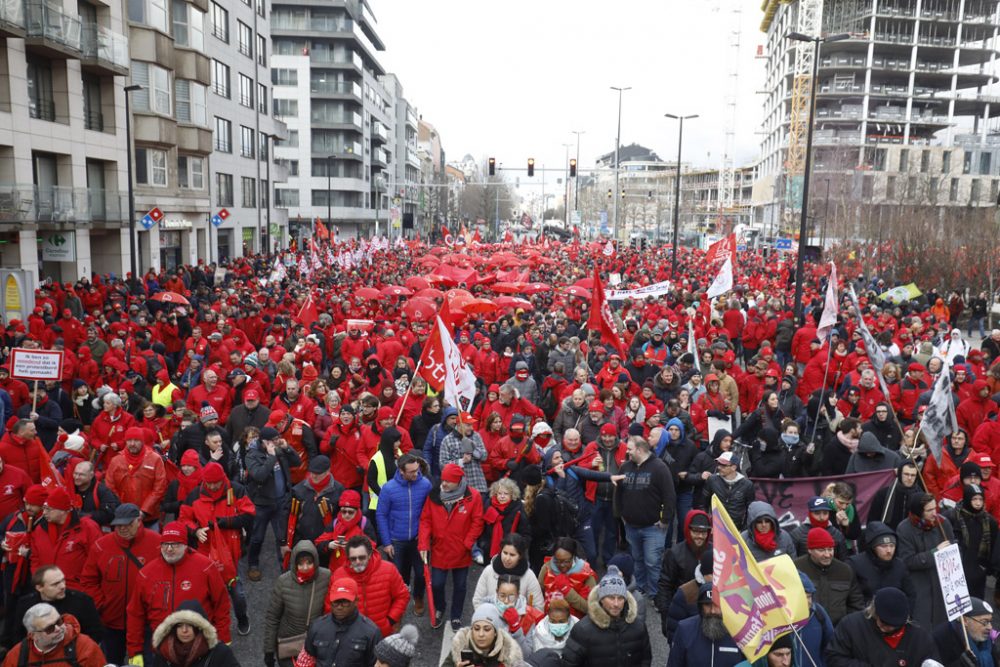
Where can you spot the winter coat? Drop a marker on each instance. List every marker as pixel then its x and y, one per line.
pixel 449 534
pixel 871 456
pixel 569 416
pixel 288 612
pixel 679 563
pixel 575 585
pixel 800 535
pixel 601 641
pixel 691 648
pixel 505 652
pixel 873 573
pixel 836 585
pixel 112 569
pixel 242 418
pixel 88 653
pixel 347 643
pixel 382 594
pixel 98 502
pixel 735 496
pixel 219 654
pixel 530 589
pixel 896 497
pixel 683 604
pixel 400 503
pixel 144 485
pixel 784 543
pixel 885 430
pixel 857 641
pixel 47 424
pixel 69 549
pixel 23 454
pixel 80 605
pixel 316 510
pixel 162 587
pixel 261 471
pixel 915 547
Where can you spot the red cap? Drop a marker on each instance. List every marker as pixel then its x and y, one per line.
pixel 344 588
pixel 276 417
pixel 596 406
pixel 609 429
pixel 59 499
pixel 175 531
pixel 251 395
pixel 772 373
pixel 452 473
pixel 385 412
pixel 135 433
pixel 350 498
pixel 213 473
pixel 915 368
pixel 819 538
pixel 36 495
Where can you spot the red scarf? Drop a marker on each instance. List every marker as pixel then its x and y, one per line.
pixel 494 515
pixel 768 541
pixel 894 639
pixel 134 460
pixel 318 487
pixel 304 577
pixel 187 483
pixel 816 523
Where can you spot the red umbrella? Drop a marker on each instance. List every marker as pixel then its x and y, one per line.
pixel 396 290
pixel 368 293
pixel 509 288
pixel 574 290
pixel 430 293
pixel 429 591
pixel 587 283
pixel 535 288
pixel 419 309
pixel 478 307
pixel 513 302
pixel 417 283
pixel 170 297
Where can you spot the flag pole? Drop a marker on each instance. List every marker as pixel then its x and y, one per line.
pixel 402 403
pixel 822 389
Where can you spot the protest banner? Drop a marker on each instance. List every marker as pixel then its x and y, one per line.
pixel 639 293
pixel 28 364
pixel 952 579
pixel 788 497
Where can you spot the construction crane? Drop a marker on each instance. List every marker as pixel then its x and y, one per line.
pixel 727 174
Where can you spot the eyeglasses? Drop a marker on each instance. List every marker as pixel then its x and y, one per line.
pixel 358 559
pixel 50 629
pixel 986 623
pixel 342 603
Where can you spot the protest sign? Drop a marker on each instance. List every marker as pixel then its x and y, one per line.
pixel 36 364
pixel 952 579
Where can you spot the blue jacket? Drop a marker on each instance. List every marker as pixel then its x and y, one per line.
pixel 432 446
pixel 691 648
pixel 399 505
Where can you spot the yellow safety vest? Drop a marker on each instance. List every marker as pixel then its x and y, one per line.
pixel 163 396
pixel 380 477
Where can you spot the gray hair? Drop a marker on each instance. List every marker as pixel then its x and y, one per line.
pixel 508 485
pixel 35 612
pixel 112 397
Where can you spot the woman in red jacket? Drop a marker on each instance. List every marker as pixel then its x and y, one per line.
pixel 450 523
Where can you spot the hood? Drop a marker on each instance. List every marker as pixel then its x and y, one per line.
pixel 717 441
pixel 448 412
pixel 192 613
pixel 600 617
pixel 307 547
pixel 687 528
pixel 505 649
pixel 869 444
pixel 874 530
pixel 760 510
pixel 674 421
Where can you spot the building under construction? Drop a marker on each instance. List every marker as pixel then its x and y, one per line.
pixel 905 110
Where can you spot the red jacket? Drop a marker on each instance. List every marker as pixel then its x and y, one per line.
pixel 973 411
pixel 23 454
pixel 144 485
pixel 87 651
pixel 382 593
pixel 937 477
pixel 507 450
pixel 110 431
pixel 13 483
pixel 449 536
pixel 161 587
pixel 344 449
pixel 231 512
pixel 68 550
pixel 109 575
pixel 218 398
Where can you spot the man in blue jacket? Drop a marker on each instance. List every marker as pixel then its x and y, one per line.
pixel 703 640
pixel 398 519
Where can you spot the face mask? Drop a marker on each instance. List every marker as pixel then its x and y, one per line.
pixel 522 375
pixel 559 629
pixel 503 606
pixel 790 438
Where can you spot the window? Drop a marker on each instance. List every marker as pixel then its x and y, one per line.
pixel 152 13
pixel 261 9
pixel 223 189
pixel 262 98
pixel 246 91
pixel 263 193
pixel 911 188
pixel 994 190
pixel 946 162
pixel 286 108
pixel 953 190
pixel 156 94
pixel 245 38
pixel 904 160
pixel 189 26
pixel 976 191
pixel 246 141
pixel 967 162
pixel 292 141
pixel 935 189
pixel 867 186
pixel 261 50
pixel 220 22
pixel 284 77
pixel 223 135
pixel 284 198
pixel 262 148
pixel 890 187
pixel 925 161
pixel 220 79
pixel 151 167
pixel 192 102
pixel 985 163
pixel 191 172
pixel 93 119
pixel 41 103
pixel 249 187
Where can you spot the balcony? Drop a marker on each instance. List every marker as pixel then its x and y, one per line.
pixel 52 32
pixel 336 121
pixel 335 89
pixel 93 120
pixel 42 108
pixel 103 51
pixel 12 18
pixel 379 132
pixel 341 149
pixel 60 204
pixel 412 158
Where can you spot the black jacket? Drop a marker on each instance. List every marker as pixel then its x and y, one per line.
pixel 241 418
pixel 600 641
pixel 915 547
pixel 77 603
pixel 99 504
pixel 347 644
pixel 735 497
pixel 646 495
pixel 857 641
pixel 261 471
pixel 873 573
pixel 313 508
pixel 890 502
pixel 837 588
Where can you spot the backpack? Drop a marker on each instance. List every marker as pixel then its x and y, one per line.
pixel 565 519
pixel 69 655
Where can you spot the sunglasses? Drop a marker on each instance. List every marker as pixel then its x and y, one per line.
pixel 50 629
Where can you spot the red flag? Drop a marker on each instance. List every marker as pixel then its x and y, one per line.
pixel 720 249
pixel 432 358
pixel 322 233
pixel 50 474
pixel 477 237
pixel 308 314
pixel 508 237
pixel 449 240
pixel 600 315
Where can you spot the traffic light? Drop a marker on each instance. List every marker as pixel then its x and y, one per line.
pixel 572 168
pixel 623 193
pixel 493 166
pixel 609 194
pixel 531 166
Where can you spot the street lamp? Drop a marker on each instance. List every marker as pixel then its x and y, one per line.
pixel 269 192
pixel 576 179
pixel 677 192
pixel 131 189
pixel 803 221
pixel 329 193
pixel 566 190
pixel 618 142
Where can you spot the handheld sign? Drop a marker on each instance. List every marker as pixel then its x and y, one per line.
pixel 36 364
pixel 952 578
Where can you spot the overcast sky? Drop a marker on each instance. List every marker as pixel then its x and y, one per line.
pixel 513 79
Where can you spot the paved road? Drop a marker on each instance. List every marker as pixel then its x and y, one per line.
pixel 432 642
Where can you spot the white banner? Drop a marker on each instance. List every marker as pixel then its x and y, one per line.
pixel 657 289
pixel 952 577
pixel 36 364
pixel 723 282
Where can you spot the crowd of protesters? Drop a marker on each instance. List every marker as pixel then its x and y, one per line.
pixel 200 409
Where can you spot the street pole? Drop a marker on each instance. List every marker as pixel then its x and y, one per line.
pixel 329 195
pixel 618 142
pixel 677 191
pixel 134 265
pixel 566 189
pixel 269 145
pixel 576 180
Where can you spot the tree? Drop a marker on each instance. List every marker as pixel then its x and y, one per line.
pixel 480 199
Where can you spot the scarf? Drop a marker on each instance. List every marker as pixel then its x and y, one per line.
pixel 973 529
pixel 134 460
pixel 183 655
pixel 188 483
pixel 894 638
pixel 305 577
pixel 495 515
pixel 924 525
pixel 518 570
pixel 449 498
pixel 816 523
pixel 850 444
pixel 767 541
pixel 320 486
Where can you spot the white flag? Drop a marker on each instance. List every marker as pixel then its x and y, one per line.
pixel 724 281
pixel 875 352
pixel 939 419
pixel 459 380
pixel 831 307
pixel 692 345
pixel 609 248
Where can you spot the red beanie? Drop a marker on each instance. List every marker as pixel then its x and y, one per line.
pixel 819 538
pixel 609 429
pixel 190 458
pixel 59 499
pixel 135 433
pixel 175 531
pixel 36 495
pixel 350 498
pixel 452 473
pixel 213 473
